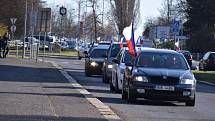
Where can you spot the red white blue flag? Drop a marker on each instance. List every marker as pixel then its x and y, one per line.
pixel 128 32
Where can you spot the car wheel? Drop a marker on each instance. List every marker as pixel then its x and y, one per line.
pixel 131 96
pixel 104 77
pixel 111 86
pixel 87 73
pixel 190 102
pixel 124 93
pixel 117 86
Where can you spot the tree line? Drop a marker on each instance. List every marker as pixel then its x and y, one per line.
pixel 198 17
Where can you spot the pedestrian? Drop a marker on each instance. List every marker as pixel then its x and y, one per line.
pixel 1 46
pixel 5 47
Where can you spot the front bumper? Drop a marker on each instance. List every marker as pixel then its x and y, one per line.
pixel 93 70
pixel 149 91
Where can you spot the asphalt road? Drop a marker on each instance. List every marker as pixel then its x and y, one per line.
pixel 39 92
pixel 144 110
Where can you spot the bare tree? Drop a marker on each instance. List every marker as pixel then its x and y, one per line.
pixel 124 12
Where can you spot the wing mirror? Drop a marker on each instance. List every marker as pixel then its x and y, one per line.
pixel 115 61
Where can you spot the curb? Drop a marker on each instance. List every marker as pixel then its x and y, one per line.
pixel 208 83
pixel 103 109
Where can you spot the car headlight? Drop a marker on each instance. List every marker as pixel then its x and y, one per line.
pixel 186 81
pixel 141 79
pixel 110 66
pixel 94 64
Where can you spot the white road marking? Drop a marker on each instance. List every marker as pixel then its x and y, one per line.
pixel 102 108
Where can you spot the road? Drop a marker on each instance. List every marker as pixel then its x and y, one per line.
pixel 143 110
pixel 39 92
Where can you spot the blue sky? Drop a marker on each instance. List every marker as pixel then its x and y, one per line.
pixel 148 8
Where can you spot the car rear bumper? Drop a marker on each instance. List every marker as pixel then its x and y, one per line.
pixel 149 91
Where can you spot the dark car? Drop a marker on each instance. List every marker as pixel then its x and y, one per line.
pixel 207 63
pixel 95 60
pixel 108 64
pixel 188 56
pixel 160 75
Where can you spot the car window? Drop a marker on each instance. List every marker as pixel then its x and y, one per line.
pixel 119 55
pixel 161 60
pixel 98 53
pixel 212 56
pixel 206 56
pixel 127 57
pixel 114 51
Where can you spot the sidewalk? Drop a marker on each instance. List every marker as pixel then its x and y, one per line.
pixel 37 91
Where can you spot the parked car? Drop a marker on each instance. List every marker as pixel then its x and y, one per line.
pixel 85 49
pixel 95 60
pixel 108 64
pixel 160 75
pixel 71 44
pixel 207 63
pixel 188 56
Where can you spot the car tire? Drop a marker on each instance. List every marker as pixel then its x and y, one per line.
pixel 190 102
pixel 104 78
pixel 111 86
pixel 87 73
pixel 124 93
pixel 117 85
pixel 131 97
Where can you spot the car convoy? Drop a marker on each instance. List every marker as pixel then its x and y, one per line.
pixel 154 74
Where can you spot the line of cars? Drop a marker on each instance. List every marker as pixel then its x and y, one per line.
pixel 155 74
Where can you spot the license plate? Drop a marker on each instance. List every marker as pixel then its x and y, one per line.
pixel 169 88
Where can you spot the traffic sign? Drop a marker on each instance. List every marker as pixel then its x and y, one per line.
pixel 13 28
pixel 13 20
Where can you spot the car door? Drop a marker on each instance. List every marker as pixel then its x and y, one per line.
pixel 121 70
pixel 115 69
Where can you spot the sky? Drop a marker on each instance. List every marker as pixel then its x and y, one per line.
pixel 148 9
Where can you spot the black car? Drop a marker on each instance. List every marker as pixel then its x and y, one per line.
pixel 160 75
pixel 108 64
pixel 95 60
pixel 207 63
pixel 188 56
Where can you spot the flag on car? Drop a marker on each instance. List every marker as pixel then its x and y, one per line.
pixel 177 45
pixel 112 40
pixel 128 32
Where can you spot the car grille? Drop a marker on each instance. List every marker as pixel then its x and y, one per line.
pixel 161 80
pixel 164 93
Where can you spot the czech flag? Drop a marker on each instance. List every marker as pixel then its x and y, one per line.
pixel 128 32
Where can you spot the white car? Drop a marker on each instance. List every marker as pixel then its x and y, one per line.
pixel 122 60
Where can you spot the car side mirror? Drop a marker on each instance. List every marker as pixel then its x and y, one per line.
pixel 85 52
pixel 115 61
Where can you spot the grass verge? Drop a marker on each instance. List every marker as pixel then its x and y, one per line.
pixel 205 76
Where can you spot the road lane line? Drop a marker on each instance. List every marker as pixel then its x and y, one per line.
pixel 102 108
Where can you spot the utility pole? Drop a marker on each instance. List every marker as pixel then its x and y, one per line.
pixel 23 45
pixel 95 21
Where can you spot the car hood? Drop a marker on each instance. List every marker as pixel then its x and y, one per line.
pixel 165 72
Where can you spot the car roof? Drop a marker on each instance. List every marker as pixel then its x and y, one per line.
pixel 146 49
pixel 102 47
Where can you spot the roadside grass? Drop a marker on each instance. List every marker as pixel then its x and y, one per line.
pixel 208 76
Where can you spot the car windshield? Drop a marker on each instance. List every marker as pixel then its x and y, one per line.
pixel 161 60
pixel 98 53
pixel 115 50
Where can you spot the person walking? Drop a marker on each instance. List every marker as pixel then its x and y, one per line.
pixel 5 47
pixel 1 44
